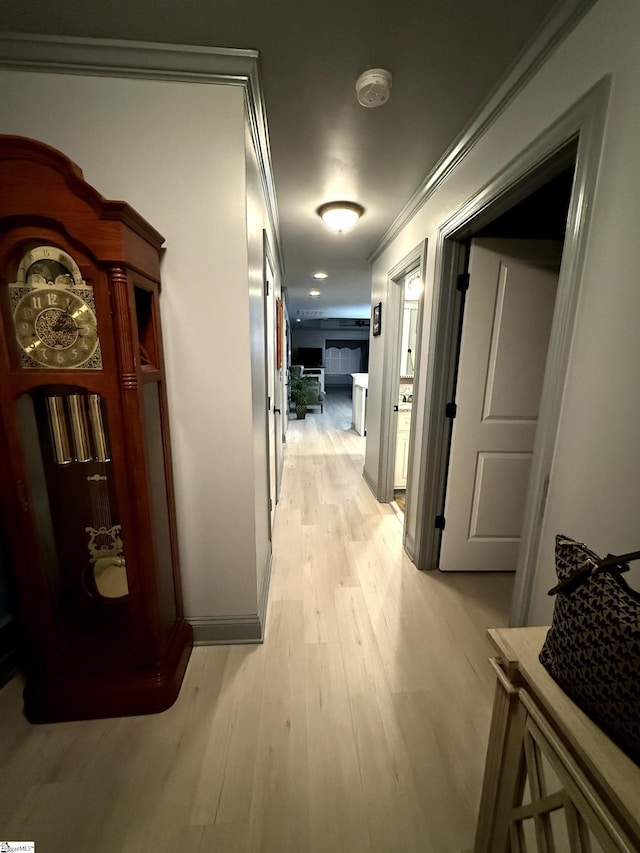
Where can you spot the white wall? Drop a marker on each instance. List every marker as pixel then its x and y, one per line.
pixel 594 494
pixel 175 152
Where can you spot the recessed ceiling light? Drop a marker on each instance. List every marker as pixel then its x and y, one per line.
pixel 313 292
pixel 298 320
pixel 320 275
pixel 340 215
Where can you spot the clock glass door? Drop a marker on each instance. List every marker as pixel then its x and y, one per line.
pixel 68 459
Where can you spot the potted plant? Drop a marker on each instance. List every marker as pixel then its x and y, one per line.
pixel 299 387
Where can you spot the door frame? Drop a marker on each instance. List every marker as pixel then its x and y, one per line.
pixel 576 137
pixel 391 370
pixel 269 274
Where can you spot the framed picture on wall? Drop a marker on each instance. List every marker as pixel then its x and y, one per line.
pixel 377 319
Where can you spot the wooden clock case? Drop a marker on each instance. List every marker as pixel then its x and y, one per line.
pixel 91 653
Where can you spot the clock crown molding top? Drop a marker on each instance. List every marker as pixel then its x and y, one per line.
pixel 155 61
pixel 89 204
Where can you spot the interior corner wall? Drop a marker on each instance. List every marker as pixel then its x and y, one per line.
pixel 594 492
pixel 175 152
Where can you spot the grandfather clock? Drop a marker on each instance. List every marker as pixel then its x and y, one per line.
pixel 87 490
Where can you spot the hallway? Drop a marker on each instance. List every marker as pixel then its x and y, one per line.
pixel 359 725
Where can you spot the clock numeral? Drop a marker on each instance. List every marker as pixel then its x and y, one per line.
pixel 44 354
pixel 74 354
pixel 23 328
pixel 28 313
pixel 60 358
pixel 36 301
pixel 52 298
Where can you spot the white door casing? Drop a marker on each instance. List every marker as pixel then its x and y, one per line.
pixel 505 336
pixel 279 405
pixel 270 311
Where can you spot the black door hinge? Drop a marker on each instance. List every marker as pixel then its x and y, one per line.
pixel 463 282
pixel 268 404
pixel 440 522
pixel 270 505
pixel 450 410
pixel 266 286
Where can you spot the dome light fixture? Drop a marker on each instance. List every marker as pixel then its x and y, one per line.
pixel 315 293
pixel 340 216
pixel 320 275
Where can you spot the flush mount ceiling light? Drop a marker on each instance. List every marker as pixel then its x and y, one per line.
pixel 315 293
pixel 340 215
pixel 320 275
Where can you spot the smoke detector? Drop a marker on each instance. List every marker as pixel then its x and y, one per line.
pixel 373 87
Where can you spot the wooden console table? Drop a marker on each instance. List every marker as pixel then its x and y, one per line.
pixel 554 782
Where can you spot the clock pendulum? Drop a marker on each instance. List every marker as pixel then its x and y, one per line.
pixel 78 437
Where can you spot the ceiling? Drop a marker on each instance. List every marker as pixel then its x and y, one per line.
pixel 446 57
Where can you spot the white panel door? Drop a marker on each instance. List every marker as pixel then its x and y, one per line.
pixel 505 337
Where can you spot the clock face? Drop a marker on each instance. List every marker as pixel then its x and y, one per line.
pixel 54 321
pixel 56 327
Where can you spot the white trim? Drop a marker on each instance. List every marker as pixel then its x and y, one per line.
pixel 370 482
pixel 584 122
pixel 409 545
pixel 225 630
pixel 123 58
pixel 263 599
pixel 155 61
pixel 391 369
pixel 554 30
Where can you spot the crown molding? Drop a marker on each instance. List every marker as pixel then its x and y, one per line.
pixel 556 27
pixel 155 61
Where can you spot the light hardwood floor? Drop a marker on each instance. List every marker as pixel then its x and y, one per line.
pixel 359 726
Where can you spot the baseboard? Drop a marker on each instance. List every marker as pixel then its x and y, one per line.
pixel 371 483
pixel 226 630
pixel 410 546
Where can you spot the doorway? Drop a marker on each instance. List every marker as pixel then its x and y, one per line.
pixel 574 141
pixel 273 410
pixel 507 295
pixel 404 310
pixel 410 289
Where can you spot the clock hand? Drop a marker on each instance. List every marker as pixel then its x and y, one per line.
pixel 59 324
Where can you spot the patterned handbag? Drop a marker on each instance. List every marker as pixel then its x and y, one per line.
pixel 593 646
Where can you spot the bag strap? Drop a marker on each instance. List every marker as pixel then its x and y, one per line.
pixel 615 564
pixel 612 560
